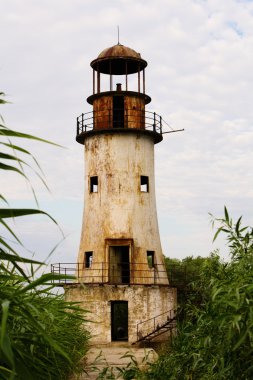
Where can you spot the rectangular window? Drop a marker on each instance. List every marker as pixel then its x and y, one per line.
pixel 151 259
pixel 88 259
pixel 94 184
pixel 118 112
pixel 144 184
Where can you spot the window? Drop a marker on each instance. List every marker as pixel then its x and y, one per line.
pixel 118 111
pixel 88 259
pixel 144 184
pixel 94 184
pixel 151 259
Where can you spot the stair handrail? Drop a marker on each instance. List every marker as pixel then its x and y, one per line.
pixel 171 315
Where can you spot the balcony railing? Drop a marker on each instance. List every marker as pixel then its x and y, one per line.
pixel 105 273
pixel 119 118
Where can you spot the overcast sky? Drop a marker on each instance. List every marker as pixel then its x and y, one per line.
pixel 199 76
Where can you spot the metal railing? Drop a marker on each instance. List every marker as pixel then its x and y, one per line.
pixel 150 326
pixel 119 118
pixel 114 273
pixel 180 276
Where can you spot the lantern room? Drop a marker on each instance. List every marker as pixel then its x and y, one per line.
pixel 119 97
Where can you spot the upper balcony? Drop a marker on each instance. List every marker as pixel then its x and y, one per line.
pixel 119 120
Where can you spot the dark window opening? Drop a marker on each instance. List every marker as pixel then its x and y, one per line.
pixel 119 320
pixel 151 259
pixel 118 112
pixel 88 259
pixel 144 184
pixel 94 184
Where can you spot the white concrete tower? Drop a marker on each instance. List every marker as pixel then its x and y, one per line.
pixel 121 275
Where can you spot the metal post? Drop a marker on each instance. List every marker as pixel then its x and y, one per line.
pixel 154 121
pixel 82 123
pixel 126 77
pixel 139 78
pixel 94 80
pixel 161 125
pixel 98 82
pixel 144 81
pixel 110 63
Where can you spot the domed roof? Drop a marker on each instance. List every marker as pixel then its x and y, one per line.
pixel 118 60
pixel 119 51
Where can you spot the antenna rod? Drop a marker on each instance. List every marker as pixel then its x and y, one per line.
pixel 118 34
pixel 174 130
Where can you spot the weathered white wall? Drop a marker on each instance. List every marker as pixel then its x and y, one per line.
pixel 119 210
pixel 144 302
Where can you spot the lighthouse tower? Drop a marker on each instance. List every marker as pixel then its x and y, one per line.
pixel 121 277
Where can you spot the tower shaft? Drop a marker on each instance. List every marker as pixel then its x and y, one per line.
pixel 120 211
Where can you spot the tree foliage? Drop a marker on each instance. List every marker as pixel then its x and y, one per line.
pixel 41 335
pixel 183 274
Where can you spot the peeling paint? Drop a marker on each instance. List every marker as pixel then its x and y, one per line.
pixel 119 209
pixel 143 303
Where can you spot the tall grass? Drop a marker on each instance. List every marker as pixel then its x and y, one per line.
pixel 215 339
pixel 41 335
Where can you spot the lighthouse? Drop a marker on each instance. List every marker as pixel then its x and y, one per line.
pixel 120 274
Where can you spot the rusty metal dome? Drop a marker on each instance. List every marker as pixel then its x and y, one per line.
pixel 118 60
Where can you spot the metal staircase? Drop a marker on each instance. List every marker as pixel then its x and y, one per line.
pixel 153 327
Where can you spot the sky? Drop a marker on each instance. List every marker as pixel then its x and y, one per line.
pixel 200 79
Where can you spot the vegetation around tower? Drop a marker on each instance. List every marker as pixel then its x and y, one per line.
pixel 41 335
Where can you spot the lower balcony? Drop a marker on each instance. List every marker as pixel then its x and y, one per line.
pixel 114 274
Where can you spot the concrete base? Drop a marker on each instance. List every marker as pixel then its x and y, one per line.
pixel 144 302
